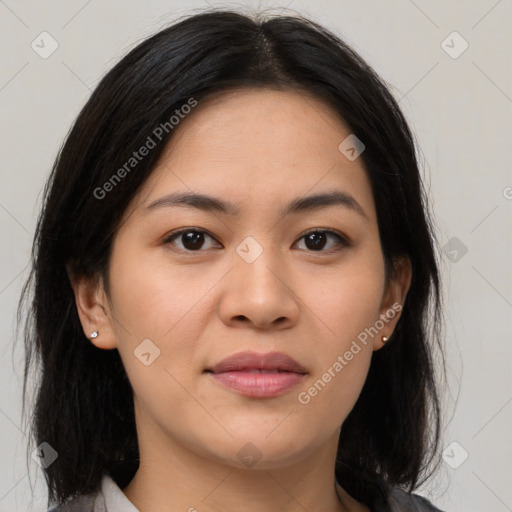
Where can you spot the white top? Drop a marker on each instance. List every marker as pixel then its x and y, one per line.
pixel 115 499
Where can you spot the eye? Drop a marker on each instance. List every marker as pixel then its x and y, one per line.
pixel 192 240
pixel 316 240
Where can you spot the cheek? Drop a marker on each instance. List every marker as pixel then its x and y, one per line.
pixel 345 307
pixel 342 361
pixel 157 301
pixel 347 301
pixel 153 296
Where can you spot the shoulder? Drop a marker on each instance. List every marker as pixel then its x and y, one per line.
pixel 402 501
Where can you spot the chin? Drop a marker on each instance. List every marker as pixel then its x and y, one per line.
pixel 259 451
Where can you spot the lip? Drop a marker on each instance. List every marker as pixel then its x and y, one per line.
pixel 258 375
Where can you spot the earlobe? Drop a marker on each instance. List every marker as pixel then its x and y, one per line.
pixel 92 307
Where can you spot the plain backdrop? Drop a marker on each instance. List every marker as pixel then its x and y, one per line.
pixel 456 91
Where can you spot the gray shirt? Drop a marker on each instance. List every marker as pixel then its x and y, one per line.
pixel 110 498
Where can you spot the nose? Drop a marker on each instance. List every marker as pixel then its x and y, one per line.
pixel 259 294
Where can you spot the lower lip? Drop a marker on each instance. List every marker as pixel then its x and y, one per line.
pixel 261 385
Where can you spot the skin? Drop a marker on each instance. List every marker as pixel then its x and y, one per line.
pixel 260 149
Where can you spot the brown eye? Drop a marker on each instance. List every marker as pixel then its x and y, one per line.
pixel 317 240
pixel 191 239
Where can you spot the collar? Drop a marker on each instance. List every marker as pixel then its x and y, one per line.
pixel 115 499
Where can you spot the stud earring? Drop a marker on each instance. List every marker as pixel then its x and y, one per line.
pixel 384 339
pixel 94 334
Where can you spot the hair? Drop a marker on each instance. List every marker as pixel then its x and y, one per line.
pixel 83 398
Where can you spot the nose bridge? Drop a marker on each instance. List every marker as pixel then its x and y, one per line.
pixel 258 262
pixel 258 289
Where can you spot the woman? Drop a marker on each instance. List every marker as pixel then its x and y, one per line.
pixel 233 271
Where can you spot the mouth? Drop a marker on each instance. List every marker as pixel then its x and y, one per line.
pixel 252 370
pixel 258 375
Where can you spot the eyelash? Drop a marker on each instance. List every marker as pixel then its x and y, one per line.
pixel 342 241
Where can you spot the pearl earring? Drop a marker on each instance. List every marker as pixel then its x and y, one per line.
pixel 94 334
pixel 384 339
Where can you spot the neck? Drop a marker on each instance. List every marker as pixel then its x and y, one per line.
pixel 171 477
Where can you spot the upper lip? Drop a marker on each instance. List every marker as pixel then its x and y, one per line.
pixel 256 361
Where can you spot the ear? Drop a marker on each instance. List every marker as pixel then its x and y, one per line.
pixel 393 299
pixel 93 309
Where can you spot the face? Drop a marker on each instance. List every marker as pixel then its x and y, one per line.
pixel 306 282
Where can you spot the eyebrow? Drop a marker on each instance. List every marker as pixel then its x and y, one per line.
pixel 300 204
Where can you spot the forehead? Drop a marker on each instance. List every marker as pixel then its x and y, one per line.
pixel 259 146
pixel 241 119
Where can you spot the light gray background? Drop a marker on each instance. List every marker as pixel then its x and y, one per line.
pixel 460 110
